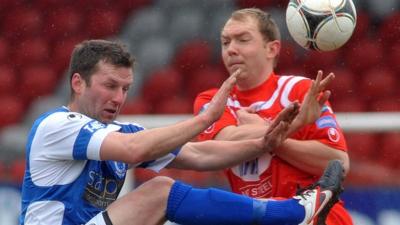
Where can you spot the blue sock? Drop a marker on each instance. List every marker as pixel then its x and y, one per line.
pixel 187 205
pixel 284 212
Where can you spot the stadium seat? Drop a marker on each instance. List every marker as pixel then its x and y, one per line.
pixel 64 22
pixel 17 171
pixel 363 146
pixel 154 53
pixel 393 57
pixel 12 109
pixel 8 80
pixel 62 53
pixel 3 172
pixel 287 55
pixel 389 30
pixel 349 104
pixel 315 61
pixel 146 23
pixel 378 83
pixel 388 152
pixel 163 84
pixel 22 22
pixel 4 50
pixel 363 55
pixel 255 3
pixel 192 56
pixel 109 24
pixel 362 28
pixel 344 84
pixel 31 51
pixel 388 104
pixel 192 19
pixel 40 106
pixel 203 80
pixel 174 105
pixel 10 138
pixel 38 80
pixel 136 106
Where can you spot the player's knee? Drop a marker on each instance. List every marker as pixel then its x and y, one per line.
pixel 160 183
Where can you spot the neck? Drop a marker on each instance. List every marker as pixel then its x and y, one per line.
pixel 253 81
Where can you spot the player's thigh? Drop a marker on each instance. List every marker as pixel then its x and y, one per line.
pixel 145 205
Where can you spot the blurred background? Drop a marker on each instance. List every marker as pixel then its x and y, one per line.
pixel 177 47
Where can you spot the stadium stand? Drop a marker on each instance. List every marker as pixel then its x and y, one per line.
pixel 176 43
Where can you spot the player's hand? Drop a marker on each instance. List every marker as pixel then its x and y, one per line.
pixel 278 131
pixel 314 100
pixel 218 102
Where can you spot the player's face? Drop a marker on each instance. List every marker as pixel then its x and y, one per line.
pixel 243 47
pixel 103 98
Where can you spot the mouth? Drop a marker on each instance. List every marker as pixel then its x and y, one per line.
pixel 111 112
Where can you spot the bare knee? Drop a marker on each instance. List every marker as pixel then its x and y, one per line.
pixel 145 205
pixel 159 184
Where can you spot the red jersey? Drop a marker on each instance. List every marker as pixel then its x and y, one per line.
pixel 268 175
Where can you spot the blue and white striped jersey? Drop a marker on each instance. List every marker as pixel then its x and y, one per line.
pixel 65 181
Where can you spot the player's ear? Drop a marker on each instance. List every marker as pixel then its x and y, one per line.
pixel 273 48
pixel 77 83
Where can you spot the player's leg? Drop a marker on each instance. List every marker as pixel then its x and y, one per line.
pixel 187 205
pixel 145 205
pixel 162 197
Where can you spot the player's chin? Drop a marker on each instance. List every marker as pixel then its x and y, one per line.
pixel 108 117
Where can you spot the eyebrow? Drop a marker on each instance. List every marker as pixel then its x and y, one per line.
pixel 243 33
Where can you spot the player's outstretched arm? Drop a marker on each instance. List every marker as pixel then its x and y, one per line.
pixel 154 143
pixel 216 155
pixel 317 95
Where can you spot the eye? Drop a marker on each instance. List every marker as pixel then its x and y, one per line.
pixel 125 89
pixel 110 86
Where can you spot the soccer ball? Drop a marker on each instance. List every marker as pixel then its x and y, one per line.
pixel 322 25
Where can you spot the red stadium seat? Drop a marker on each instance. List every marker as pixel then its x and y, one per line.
pixel 162 84
pixel 8 80
pixel 37 81
pixel 12 110
pixel 393 57
pixel 17 171
pixel 192 56
pixel 344 84
pixel 174 105
pixel 62 53
pixel 32 51
pixel 378 83
pixel 287 56
pixel 136 106
pixel 4 50
pixel 390 104
pixel 109 24
pixel 362 27
pixel 364 55
pixel 22 22
pixel 320 61
pixel 363 146
pixel 349 104
pixel 388 152
pixel 255 3
pixel 3 172
pixel 389 31
pixel 203 80
pixel 65 22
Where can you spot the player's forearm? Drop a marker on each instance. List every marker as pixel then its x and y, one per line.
pixel 242 132
pixel 310 156
pixel 217 155
pixel 158 142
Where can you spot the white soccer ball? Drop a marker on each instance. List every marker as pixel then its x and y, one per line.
pixel 322 25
